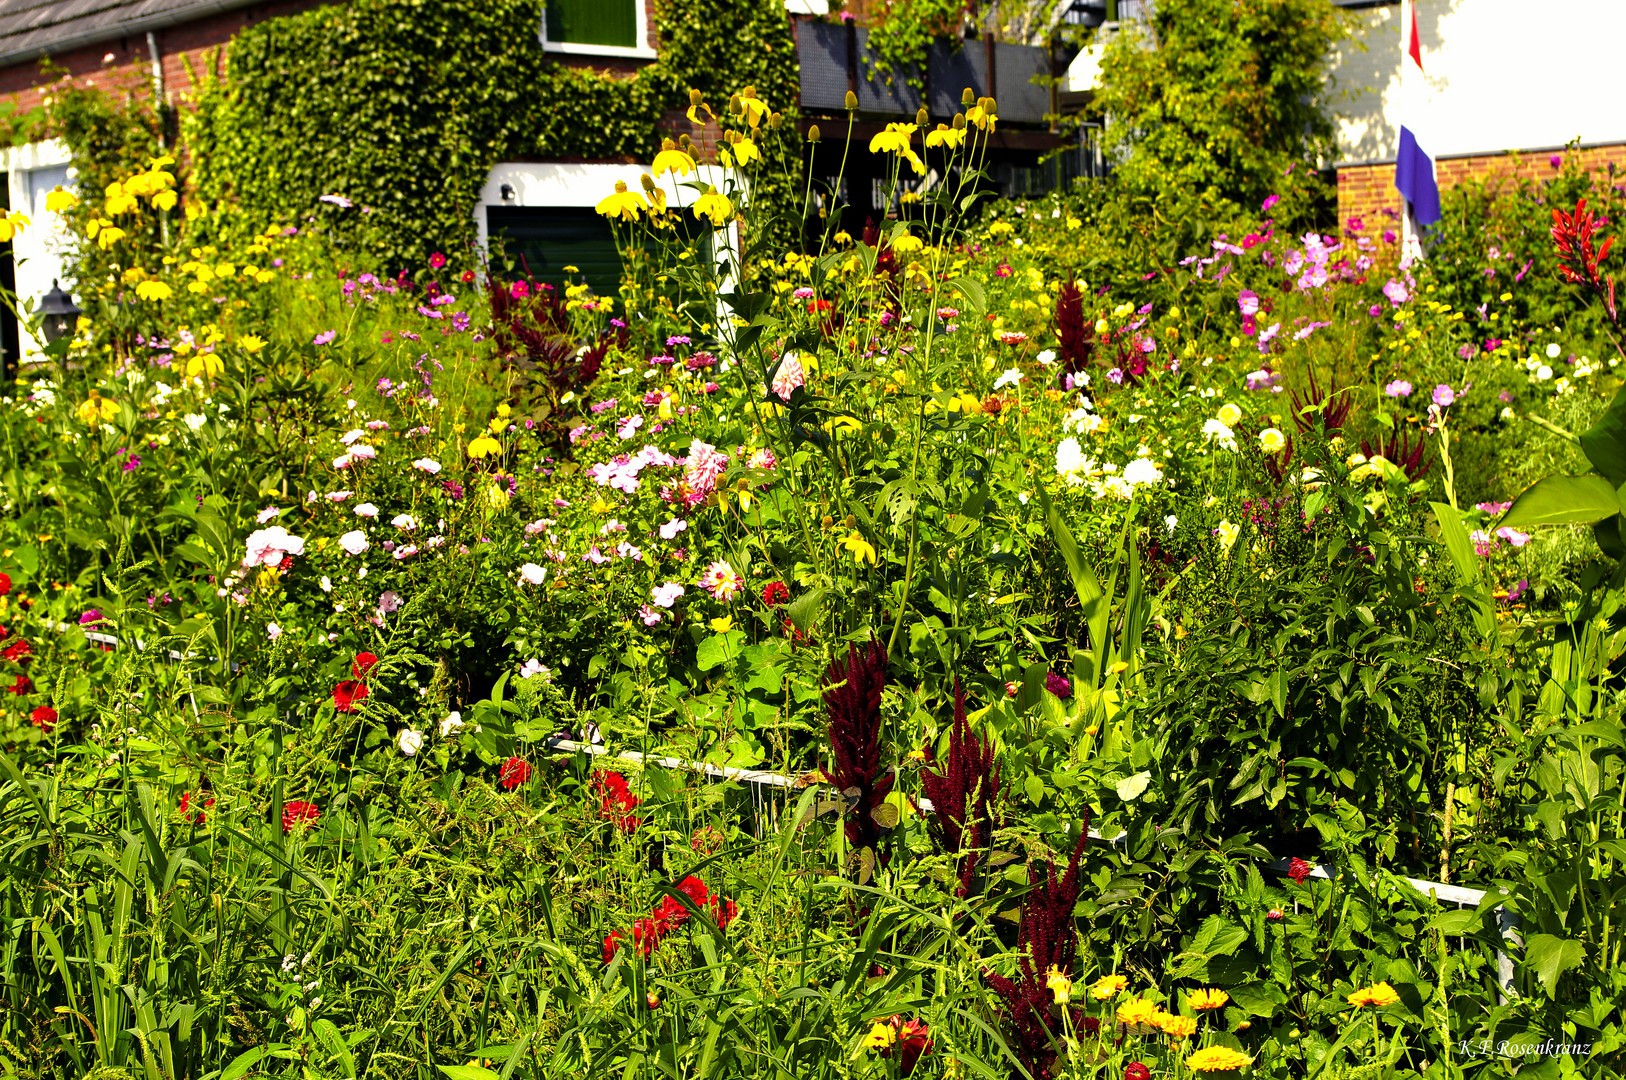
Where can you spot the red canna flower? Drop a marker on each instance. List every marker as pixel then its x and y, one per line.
pixel 515 771
pixel 347 693
pixel 364 663
pixel 298 812
pixel 1580 262
pixel 1298 870
pixel 669 915
pixel 775 593
pixel 44 717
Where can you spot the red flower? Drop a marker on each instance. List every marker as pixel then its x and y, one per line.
pixel 774 593
pixel 21 686
pixel 197 819
pixel 436 261
pixel 5 584
pixel 298 812
pixel 669 915
pixel 1298 870
pixel 347 693
pixel 706 840
pixel 1136 1071
pixel 1273 914
pixel 44 717
pixel 18 651
pixel 616 800
pixel 816 307
pixel 515 771
pixel 913 1041
pixel 468 276
pixel 364 663
pixel 286 564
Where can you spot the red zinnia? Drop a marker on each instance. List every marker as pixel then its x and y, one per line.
pixel 18 651
pixel 363 664
pixel 197 818
pixel 616 800
pixel 21 686
pixel 44 717
pixel 1136 1071
pixel 1298 870
pixel 297 812
pixel 775 593
pixel 5 584
pixel 515 771
pixel 347 693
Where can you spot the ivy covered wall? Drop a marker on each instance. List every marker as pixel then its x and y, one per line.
pixel 403 106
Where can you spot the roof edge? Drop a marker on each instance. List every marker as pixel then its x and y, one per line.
pixel 133 26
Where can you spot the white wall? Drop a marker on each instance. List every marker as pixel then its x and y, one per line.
pixel 32 171
pixel 1501 75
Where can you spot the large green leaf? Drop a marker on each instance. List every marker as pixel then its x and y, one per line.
pixel 1604 443
pixel 1549 957
pixel 1564 500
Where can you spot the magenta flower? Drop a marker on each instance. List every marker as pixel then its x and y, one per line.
pixel 1248 301
pixel 1268 203
pixel 789 376
pixel 324 337
pixel 1059 685
pixel 1398 389
pixel 1444 396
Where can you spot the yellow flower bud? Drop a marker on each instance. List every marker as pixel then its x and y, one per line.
pixel 852 101
pixel 968 97
pixel 813 133
pixel 920 118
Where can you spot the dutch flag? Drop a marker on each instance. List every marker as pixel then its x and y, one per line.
pixel 1414 167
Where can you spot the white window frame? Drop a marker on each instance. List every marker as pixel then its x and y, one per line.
pixel 641 51
pixel 38 249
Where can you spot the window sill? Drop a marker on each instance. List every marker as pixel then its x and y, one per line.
pixel 571 49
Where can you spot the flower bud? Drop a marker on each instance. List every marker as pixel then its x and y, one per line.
pixel 734 106
pixel 685 142
pixel 851 522
pixel 920 118
pixel 967 97
pixel 647 181
pixel 989 106
pixel 852 101
pixel 827 521
pixel 813 133
pixel 667 144
pixel 959 121
pixel 733 137
pixel 775 119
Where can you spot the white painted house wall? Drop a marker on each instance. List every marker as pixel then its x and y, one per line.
pixel 1501 75
pixel 32 171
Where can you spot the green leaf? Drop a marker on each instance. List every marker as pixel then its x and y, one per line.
pixel 468 1072
pixel 973 292
pixel 1564 500
pixel 242 1063
pixel 718 649
pixel 1604 443
pixel 1130 787
pixel 1551 956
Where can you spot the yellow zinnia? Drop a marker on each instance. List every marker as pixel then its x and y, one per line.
pixel 1272 440
pixel 484 446
pixel 154 290
pixel 671 159
pixel 714 206
pixel 1107 986
pixel 1137 1012
pixel 1379 994
pixel 1217 1059
pixel 1176 1027
pixel 623 203
pixel 1208 999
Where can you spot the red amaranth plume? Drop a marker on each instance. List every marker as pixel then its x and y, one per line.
pixel 1581 262
pixel 1073 331
pixel 1398 450
pixel 1045 940
pixel 852 701
pixel 963 793
pixel 1332 414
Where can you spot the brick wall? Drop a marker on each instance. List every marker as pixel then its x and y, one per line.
pixel 1368 191
pixel 125 62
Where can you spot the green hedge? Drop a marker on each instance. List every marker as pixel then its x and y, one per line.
pixel 403 107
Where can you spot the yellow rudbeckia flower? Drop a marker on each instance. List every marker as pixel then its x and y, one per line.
pixel 482 446
pixel 251 343
pixel 59 200
pixel 97 410
pixel 671 159
pixel 715 206
pixel 1380 994
pixel 894 140
pixel 154 290
pixel 862 550
pixel 945 136
pixel 11 224
pixel 751 107
pixel 623 203
pixel 165 200
pixel 205 365
pixel 880 1036
pixel 108 235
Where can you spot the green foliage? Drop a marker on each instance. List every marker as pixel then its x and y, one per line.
pixel 379 102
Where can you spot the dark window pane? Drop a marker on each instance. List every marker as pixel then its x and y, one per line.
pixel 593 22
pixel 545 240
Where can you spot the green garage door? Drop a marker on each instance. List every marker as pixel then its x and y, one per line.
pixel 545 240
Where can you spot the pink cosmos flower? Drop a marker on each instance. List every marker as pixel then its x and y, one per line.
pixel 1268 203
pixel 427 465
pixel 1248 301
pixel 1397 292
pixel 722 581
pixel 666 595
pixel 629 427
pixel 1444 396
pixel 789 376
pixel 404 522
pixel 324 337
pixel 532 574
pixel 267 514
pixel 1398 389
pixel 354 542
pixel 674 526
pixel 1483 541
pixel 650 616
pixel 1495 509
pixel 1513 536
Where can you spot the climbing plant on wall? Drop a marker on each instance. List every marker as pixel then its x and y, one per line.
pixel 401 107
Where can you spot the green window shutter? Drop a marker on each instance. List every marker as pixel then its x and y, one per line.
pixel 593 22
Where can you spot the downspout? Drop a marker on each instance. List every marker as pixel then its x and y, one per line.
pixel 160 97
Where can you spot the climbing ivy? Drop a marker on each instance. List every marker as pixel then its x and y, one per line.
pixel 403 106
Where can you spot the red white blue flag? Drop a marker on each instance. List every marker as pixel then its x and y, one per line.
pixel 1414 167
